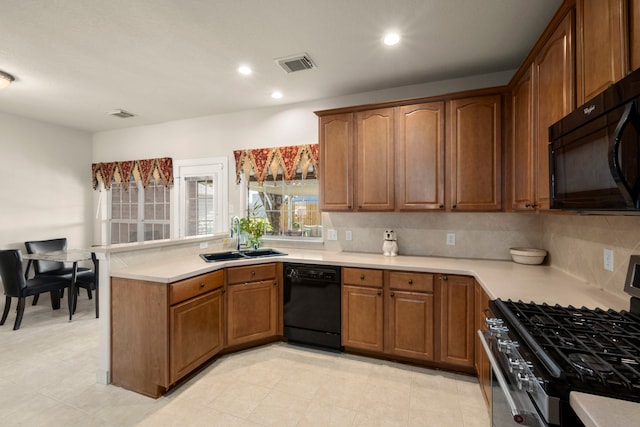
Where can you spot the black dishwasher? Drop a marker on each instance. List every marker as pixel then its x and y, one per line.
pixel 312 305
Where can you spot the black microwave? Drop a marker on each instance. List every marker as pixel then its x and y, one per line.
pixel 594 153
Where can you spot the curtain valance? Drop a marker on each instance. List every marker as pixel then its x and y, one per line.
pixel 285 160
pixel 141 170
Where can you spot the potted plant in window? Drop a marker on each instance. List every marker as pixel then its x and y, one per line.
pixel 254 226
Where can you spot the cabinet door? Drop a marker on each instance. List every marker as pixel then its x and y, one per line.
pixel 601 47
pixel 252 311
pixel 634 34
pixel 475 153
pixel 409 324
pixel 483 367
pixel 553 98
pixel 522 144
pixel 457 320
pixel 196 332
pixel 420 157
pixel 362 318
pixel 375 148
pixel 336 162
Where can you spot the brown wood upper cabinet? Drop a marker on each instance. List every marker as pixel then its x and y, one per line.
pixel 475 159
pixel 523 192
pixel 420 156
pixel 601 46
pixel 541 94
pixel 336 167
pixel 375 153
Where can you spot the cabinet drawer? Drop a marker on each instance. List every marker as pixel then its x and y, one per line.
pixel 189 288
pixel 251 273
pixel 417 282
pixel 362 277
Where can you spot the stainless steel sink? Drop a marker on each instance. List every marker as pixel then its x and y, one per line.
pixel 235 255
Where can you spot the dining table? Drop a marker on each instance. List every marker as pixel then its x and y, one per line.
pixel 71 256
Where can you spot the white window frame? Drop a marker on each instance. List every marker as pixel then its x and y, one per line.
pixel 140 220
pixel 212 166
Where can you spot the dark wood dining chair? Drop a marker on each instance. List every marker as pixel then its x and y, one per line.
pixel 16 286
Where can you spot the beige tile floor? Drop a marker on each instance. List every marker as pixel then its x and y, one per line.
pixel 47 378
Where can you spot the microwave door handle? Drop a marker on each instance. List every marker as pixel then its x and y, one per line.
pixel 614 155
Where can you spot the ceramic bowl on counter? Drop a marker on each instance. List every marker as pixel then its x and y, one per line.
pixel 530 256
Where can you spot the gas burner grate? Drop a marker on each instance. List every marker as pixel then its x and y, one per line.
pixel 592 350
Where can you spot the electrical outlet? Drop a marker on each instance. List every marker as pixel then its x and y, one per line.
pixel 204 245
pixel 348 235
pixel 451 239
pixel 608 259
pixel 332 234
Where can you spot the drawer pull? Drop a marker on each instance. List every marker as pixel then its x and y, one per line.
pixel 379 293
pixel 392 294
pixel 445 278
pixel 253 273
pixel 362 277
pixel 201 285
pixel 411 281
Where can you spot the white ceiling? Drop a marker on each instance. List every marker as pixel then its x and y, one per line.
pixel 75 60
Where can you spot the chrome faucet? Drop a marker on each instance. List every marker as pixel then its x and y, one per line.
pixel 235 220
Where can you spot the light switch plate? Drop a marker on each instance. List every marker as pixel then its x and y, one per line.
pixel 332 234
pixel 204 245
pixel 608 259
pixel 348 235
pixel 451 239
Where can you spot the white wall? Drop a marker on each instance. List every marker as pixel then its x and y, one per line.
pixel 45 171
pixel 219 135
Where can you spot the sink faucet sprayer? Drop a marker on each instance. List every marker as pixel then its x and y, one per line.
pixel 235 220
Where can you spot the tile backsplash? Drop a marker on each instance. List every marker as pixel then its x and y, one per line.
pixel 575 243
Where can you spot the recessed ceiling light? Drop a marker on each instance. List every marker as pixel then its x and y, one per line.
pixel 276 94
pixel 243 69
pixel 391 39
pixel 5 79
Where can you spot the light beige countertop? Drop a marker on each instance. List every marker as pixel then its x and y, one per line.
pixel 500 279
pixel 598 411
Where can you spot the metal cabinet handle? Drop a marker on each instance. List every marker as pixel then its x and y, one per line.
pixel 528 205
pixel 441 206
pixel 454 206
pixel 445 278
pixel 379 293
pixel 253 273
pixel 362 277
pixel 201 285
pixel 411 281
pixel 392 294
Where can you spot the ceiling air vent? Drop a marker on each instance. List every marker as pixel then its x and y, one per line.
pixel 121 113
pixel 294 63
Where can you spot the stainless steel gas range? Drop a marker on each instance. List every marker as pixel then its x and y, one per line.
pixel 540 353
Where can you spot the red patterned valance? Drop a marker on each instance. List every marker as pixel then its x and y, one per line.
pixel 141 170
pixel 284 160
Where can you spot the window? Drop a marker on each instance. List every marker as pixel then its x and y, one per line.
pixel 201 186
pixel 139 214
pixel 290 207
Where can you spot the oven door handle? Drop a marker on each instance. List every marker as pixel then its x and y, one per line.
pixel 515 412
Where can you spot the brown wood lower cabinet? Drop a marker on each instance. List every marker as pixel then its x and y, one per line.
pixel 160 332
pixel 252 304
pixel 409 309
pixel 482 364
pixel 197 332
pixel 456 320
pixel 362 309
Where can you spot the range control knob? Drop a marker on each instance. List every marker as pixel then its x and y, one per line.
pixel 519 365
pixel 525 381
pixel 507 346
pixel 498 330
pixel 493 321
